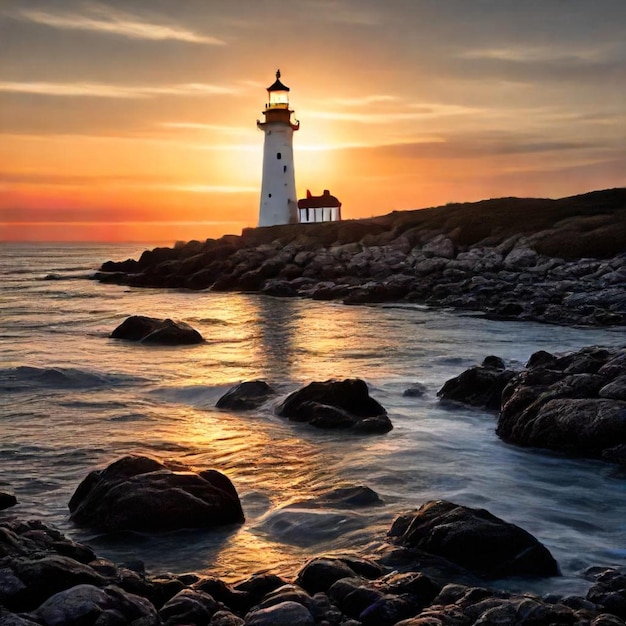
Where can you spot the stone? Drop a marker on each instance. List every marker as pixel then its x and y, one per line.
pixel 283 614
pixel 245 396
pixel 156 331
pixel 319 574
pixel 7 500
pixel 478 386
pixel 416 390
pixel 188 607
pixel 86 604
pixel 474 539
pixel 140 493
pixel 336 404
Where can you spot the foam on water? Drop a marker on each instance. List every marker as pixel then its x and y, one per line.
pixel 74 400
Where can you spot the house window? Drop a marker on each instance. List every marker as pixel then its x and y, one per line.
pixel 279 156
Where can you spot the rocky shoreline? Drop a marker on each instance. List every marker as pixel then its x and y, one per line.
pixel 553 261
pixel 436 566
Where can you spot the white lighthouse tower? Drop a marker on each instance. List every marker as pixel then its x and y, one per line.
pixel 278 189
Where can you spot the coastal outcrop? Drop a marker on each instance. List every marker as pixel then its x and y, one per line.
pixel 157 331
pixel 572 403
pixel 554 261
pixel 47 579
pixel 141 493
pixel 474 539
pixel 575 403
pixel 246 396
pixel 336 404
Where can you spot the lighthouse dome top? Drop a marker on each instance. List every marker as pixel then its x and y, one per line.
pixel 277 85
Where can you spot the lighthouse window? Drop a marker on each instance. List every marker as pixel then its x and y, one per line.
pixel 284 168
pixel 279 156
pixel 269 195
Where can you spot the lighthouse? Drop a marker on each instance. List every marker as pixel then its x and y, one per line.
pixel 278 189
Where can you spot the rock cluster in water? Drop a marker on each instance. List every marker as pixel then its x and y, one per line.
pixel 152 330
pixel 48 580
pixel 557 261
pixel 574 403
pixel 331 404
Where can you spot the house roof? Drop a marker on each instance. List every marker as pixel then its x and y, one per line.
pixel 318 202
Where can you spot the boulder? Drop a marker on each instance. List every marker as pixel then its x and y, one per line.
pixel 286 613
pixel 480 386
pixel 474 539
pixel 245 396
pixel 157 331
pixel 573 403
pixel 336 404
pixel 140 493
pixel 7 500
pixel 86 605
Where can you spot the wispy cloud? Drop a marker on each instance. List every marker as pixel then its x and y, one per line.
pixel 218 128
pixel 101 90
pixel 411 112
pixel 364 101
pixel 106 20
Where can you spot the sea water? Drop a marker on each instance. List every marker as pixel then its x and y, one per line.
pixel 74 400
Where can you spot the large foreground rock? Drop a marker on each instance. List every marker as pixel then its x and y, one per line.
pixel 140 493
pixel 475 539
pixel 157 331
pixel 574 403
pixel 336 404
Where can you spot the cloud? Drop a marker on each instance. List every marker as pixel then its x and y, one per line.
pixel 101 90
pixel 412 112
pixel 219 128
pixel 106 20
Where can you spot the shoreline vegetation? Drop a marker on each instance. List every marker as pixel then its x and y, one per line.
pixel 553 261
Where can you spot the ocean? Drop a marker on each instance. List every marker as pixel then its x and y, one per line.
pixel 74 400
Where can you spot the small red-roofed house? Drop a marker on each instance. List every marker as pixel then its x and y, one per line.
pixel 324 208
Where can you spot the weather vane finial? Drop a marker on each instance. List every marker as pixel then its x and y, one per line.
pixel 277 74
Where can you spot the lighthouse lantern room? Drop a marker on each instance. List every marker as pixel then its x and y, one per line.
pixel 278 188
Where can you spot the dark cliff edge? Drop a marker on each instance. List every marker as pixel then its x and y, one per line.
pixel 558 261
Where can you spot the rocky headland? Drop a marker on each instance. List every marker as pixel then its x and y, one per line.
pixel 556 261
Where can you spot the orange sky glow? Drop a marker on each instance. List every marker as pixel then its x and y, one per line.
pixel 136 121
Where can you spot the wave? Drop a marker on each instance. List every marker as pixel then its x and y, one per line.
pixel 25 377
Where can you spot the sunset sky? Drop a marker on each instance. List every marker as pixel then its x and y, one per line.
pixel 135 120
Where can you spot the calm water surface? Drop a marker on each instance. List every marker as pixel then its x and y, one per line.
pixel 73 400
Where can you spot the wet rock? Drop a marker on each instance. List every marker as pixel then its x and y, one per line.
pixel 416 390
pixel 283 614
pixel 609 591
pixel 245 396
pixel 140 493
pixel 188 607
pixel 7 500
pixel 226 618
pixel 336 404
pixel 157 331
pixel 480 386
pixel 85 605
pixel 573 403
pixel 474 539
pixel 319 574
